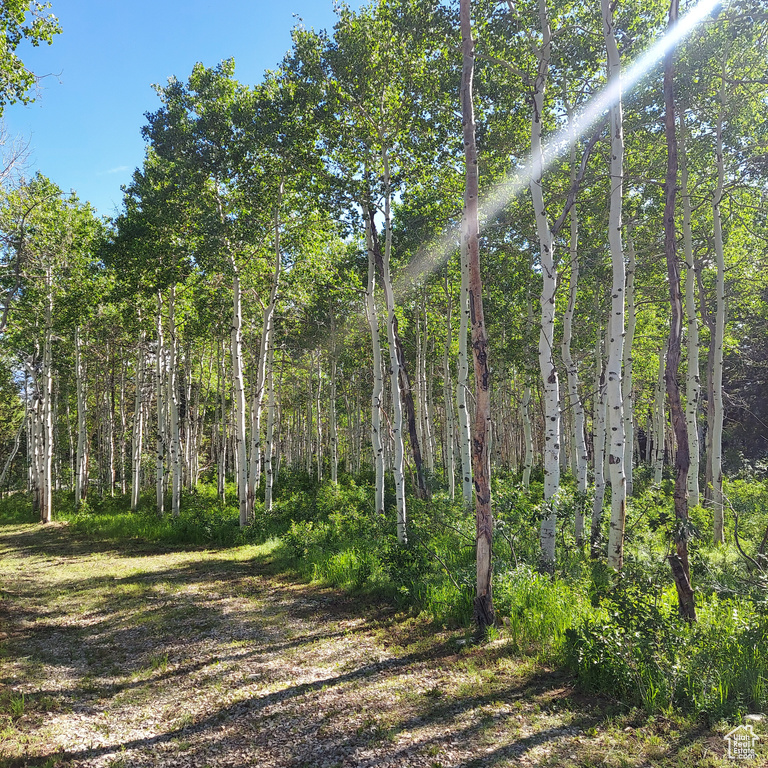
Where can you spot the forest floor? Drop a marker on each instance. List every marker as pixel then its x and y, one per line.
pixel 131 655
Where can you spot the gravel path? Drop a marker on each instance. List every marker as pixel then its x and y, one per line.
pixel 139 657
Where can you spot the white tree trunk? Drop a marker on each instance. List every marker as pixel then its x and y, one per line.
pixel 269 462
pixel 580 455
pixel 46 500
pixel 525 413
pixel 693 378
pixel 241 465
pixel 173 390
pixel 615 405
pixel 626 382
pixel 319 420
pixel 547 367
pixel 717 368
pixel 333 426
pixel 378 380
pixel 394 364
pixel 599 440
pixel 221 434
pixel 138 426
pixel 465 451
pixel 159 383
pixel 267 334
pixel 449 460
pixel 81 481
pixel 659 426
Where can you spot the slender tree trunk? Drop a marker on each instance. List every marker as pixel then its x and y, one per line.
pixel 138 426
pixel 580 456
pixel 599 440
pixel 319 420
pixel 481 465
pixel 269 479
pixel 81 481
pixel 678 561
pixel 123 429
pixel 549 377
pixel 222 432
pixel 46 501
pixel 239 386
pixel 14 448
pixel 109 421
pixel 333 426
pixel 717 368
pixel 615 405
pixel 525 411
pixel 449 460
pixel 173 390
pixel 659 422
pixel 693 380
pixel 378 380
pixel 159 376
pixel 626 382
pixel 267 335
pixel 465 450
pixel 394 369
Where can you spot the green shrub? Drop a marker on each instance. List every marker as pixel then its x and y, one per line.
pixel 638 650
pixel 536 610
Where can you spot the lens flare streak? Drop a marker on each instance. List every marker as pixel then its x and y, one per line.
pixel 499 196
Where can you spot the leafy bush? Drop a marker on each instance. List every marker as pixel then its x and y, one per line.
pixel 638 650
pixel 536 610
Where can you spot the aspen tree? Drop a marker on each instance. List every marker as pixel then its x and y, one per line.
pixel 81 479
pixel 465 453
pixel 692 379
pixel 679 561
pixel 241 464
pixel 547 367
pixel 394 363
pixel 716 444
pixel 613 385
pixel 160 401
pixel 173 405
pixel 269 459
pixel 580 456
pixel 138 424
pixel 627 366
pixel 481 466
pixel 449 461
pixel 378 381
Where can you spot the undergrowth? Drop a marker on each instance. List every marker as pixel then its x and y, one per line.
pixel 619 634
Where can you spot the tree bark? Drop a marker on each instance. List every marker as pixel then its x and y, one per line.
pixel 159 384
pixel 481 465
pixel 81 480
pixel 138 426
pixel 462 385
pixel 173 391
pixel 449 460
pixel 626 382
pixel 378 380
pixel 547 367
pixel 615 405
pixel 679 561
pixel 241 465
pixel 693 379
pixel 717 368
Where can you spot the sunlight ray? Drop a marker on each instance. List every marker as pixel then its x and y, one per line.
pixel 433 258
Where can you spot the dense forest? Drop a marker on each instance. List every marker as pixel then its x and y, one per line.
pixel 464 305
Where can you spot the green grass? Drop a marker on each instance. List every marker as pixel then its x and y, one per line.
pixel 619 634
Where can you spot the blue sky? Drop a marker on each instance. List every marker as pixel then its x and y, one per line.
pixel 85 126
